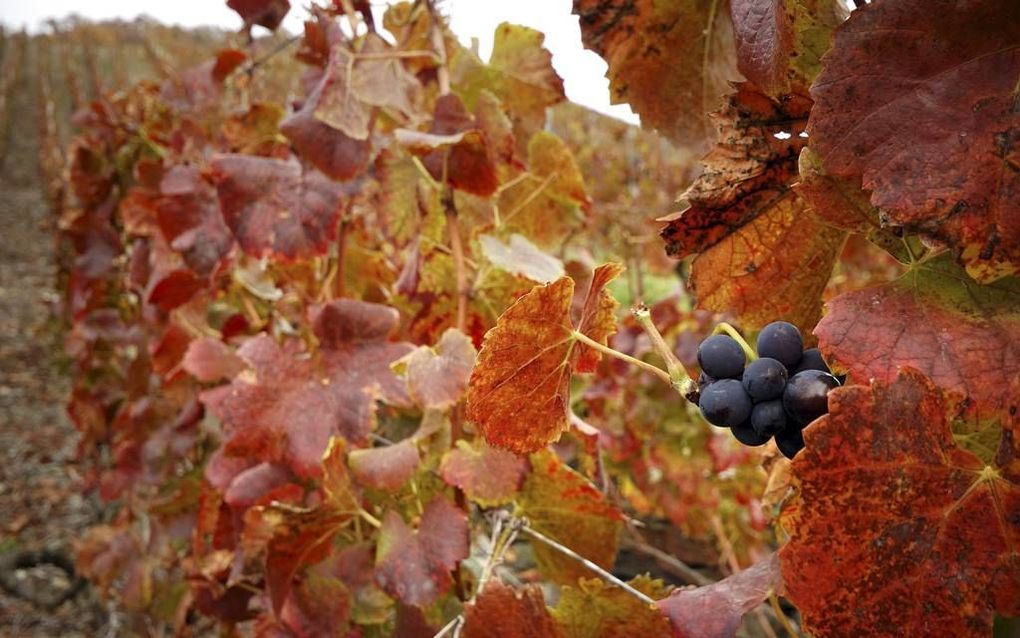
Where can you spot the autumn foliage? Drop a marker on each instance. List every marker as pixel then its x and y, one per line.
pixel 350 355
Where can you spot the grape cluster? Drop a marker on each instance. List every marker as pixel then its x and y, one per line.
pixel 776 395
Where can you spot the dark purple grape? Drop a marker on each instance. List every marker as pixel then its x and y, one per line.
pixel 812 360
pixel 724 403
pixel 790 441
pixel 768 417
pixel 806 395
pixel 781 341
pixel 721 357
pixel 764 379
pixel 744 433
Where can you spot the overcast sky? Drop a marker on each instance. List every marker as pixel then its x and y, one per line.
pixel 583 71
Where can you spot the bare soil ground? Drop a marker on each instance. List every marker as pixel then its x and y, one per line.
pixel 42 507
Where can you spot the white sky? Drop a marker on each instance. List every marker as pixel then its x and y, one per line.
pixel 583 71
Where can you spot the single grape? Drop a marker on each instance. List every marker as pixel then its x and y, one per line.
pixel 724 403
pixel 764 379
pixel 721 357
pixel 744 433
pixel 811 360
pixel 806 395
pixel 790 441
pixel 781 341
pixel 768 417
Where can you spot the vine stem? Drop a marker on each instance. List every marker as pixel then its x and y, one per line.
pixel 679 377
pixel 588 341
pixel 436 35
pixel 457 247
pixel 731 331
pixel 778 611
pixel 563 549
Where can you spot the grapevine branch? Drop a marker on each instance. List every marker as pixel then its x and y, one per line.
pixel 588 341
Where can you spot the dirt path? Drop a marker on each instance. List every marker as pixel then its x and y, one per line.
pixel 41 504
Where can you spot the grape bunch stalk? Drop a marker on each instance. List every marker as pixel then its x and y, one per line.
pixel 773 393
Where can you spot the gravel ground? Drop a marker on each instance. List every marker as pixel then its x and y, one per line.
pixel 41 503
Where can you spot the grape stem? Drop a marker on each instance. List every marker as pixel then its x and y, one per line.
pixel 563 549
pixel 588 341
pixel 679 377
pixel 778 611
pixel 731 331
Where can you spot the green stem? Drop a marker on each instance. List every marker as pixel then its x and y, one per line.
pixel 679 377
pixel 731 331
pixel 588 341
pixel 778 611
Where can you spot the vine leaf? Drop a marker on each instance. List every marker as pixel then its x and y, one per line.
pixel 964 336
pixel 502 612
pixel 209 359
pixel 438 376
pixel 593 609
pixel 566 507
pixel 265 13
pixel 458 150
pixel 671 61
pixel 287 408
pixel 277 207
pixel 549 201
pixel 780 43
pixel 854 563
pixel 385 468
pixel 189 217
pixel 489 476
pixel 329 149
pixel 521 257
pixel 299 537
pixel 763 253
pixel 518 393
pixel 414 566
pixel 519 73
pixel 959 181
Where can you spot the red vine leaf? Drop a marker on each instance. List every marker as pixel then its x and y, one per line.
pixel 964 336
pixel 502 612
pixel 265 13
pixel 385 468
pixel 319 605
pixel 566 507
pixel 287 408
pixel 209 359
pixel 301 537
pixel 489 476
pixel 277 207
pixel 437 377
pixel 716 610
pixel 959 181
pixel 763 253
pixel 780 44
pixel 189 218
pixel 854 563
pixel 463 156
pixel 518 394
pixel 415 566
pixel 671 61
pixel 328 148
